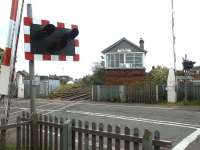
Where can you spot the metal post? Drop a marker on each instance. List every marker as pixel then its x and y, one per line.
pixel 32 95
pixel 31 70
pixel 185 88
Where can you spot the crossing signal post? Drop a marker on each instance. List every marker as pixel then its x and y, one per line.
pixel 187 66
pixel 49 41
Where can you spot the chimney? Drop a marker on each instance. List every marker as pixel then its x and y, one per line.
pixel 141 43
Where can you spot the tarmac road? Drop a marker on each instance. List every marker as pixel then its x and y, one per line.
pixel 181 125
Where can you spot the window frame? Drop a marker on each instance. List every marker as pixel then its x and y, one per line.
pixel 124 65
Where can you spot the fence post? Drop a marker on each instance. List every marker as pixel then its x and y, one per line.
pixel 126 142
pixel 109 140
pixel 117 141
pixel 73 134
pixel 101 128
pixel 136 134
pixel 94 92
pixel 3 134
pixel 94 127
pixel 156 137
pixel 67 135
pixel 80 139
pixel 86 146
pixel 50 134
pixel 157 97
pixel 61 133
pixel 18 135
pixel 34 132
pixel 98 93
pixel 122 94
pixel 56 134
pixel 23 131
pixel 147 140
pixel 45 133
pixel 27 132
pixel 41 132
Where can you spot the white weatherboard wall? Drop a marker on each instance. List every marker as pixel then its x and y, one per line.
pixel 4 79
pixel 171 87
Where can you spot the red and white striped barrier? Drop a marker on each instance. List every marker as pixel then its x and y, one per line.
pixel 27 40
pixel 8 51
pixel 8 62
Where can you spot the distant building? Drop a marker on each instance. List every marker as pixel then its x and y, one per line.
pixel 194 75
pixel 124 63
pixel 24 74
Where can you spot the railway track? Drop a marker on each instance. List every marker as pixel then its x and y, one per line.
pixel 72 94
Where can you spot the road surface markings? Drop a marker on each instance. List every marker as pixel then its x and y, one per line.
pixel 180 146
pixel 132 106
pixel 12 115
pixel 188 140
pixel 29 108
pixel 62 108
pixel 161 122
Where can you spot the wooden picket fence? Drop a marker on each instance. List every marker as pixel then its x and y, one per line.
pixel 50 133
pixel 109 138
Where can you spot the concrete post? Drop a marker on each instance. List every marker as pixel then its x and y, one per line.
pixel 122 94
pixel 20 87
pixel 157 97
pixel 94 93
pixel 98 93
pixel 171 87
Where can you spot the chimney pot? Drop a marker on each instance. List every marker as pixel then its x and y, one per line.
pixel 141 43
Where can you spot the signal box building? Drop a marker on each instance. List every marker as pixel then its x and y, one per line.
pixel 124 63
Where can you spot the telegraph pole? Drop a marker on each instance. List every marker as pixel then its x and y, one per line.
pixel 173 35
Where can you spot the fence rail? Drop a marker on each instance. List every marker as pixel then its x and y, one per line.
pixel 40 132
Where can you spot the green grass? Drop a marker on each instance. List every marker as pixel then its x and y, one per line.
pixel 67 86
pixel 10 147
pixel 182 103
pixel 189 103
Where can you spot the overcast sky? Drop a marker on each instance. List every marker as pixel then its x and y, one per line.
pixel 103 22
